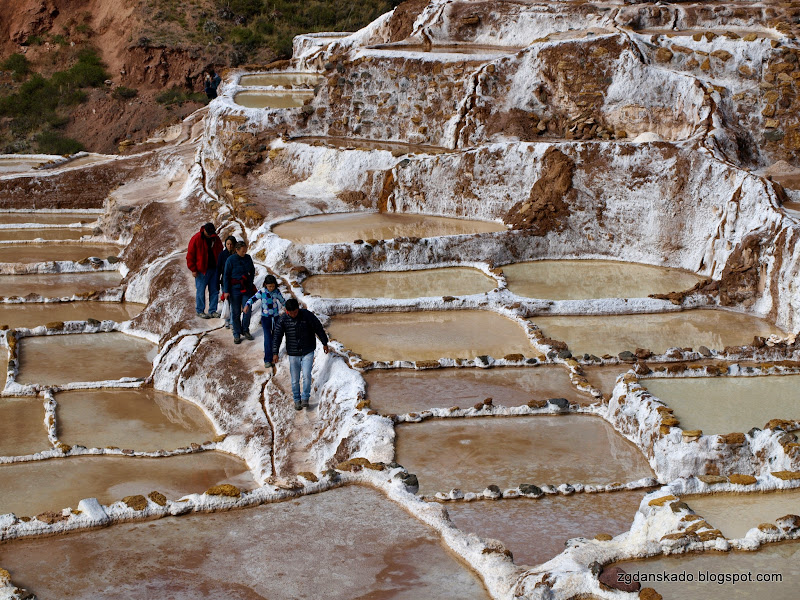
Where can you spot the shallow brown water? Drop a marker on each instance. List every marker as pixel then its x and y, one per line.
pixel 50 233
pixel 32 253
pixel 449 49
pixel 58 285
pixel 22 429
pixel 281 79
pixel 36 313
pixel 735 514
pixel 428 335
pixel 59 359
pixel 291 99
pixel 507 451
pixel 14 165
pixel 347 227
pixel 349 542
pixel 48 218
pixel 455 281
pixel 144 420
pixel 535 530
pixel 365 144
pixel 403 391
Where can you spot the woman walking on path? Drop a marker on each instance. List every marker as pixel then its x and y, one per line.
pixel 230 244
pixel 270 297
pixel 237 285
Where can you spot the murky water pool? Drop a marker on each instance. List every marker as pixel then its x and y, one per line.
pixel 37 313
pixel 472 453
pixel 58 285
pixel 33 253
pixel 347 227
pixel 48 218
pixel 404 391
pixel 59 359
pixel 428 335
pixel 22 429
pixel 281 79
pixel 612 334
pixel 293 99
pixel 455 281
pixel 535 530
pixel 583 279
pixel 49 233
pixel 371 548
pixel 735 514
pixel 18 165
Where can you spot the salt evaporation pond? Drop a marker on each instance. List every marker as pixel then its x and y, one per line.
pixel 33 253
pixel 355 143
pixel 281 79
pixel 18 165
pixel 58 285
pixel 48 218
pixel 22 429
pixel 584 279
pixel 403 391
pixel 445 49
pixel 30 488
pixel 769 560
pixel 293 99
pixel 60 359
pixel 735 514
pixel 454 281
pixel 32 314
pixel 49 233
pixel 535 530
pixel 429 335
pixel 348 227
pixel 371 548
pixel 726 404
pixel 145 420
pixel 611 334
pixel 507 451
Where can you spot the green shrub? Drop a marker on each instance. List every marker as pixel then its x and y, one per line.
pixel 124 93
pixel 18 64
pixel 34 40
pixel 52 142
pixel 176 95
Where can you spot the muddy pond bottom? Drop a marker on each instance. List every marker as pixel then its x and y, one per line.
pixel 371 548
pixel 292 99
pixel 429 335
pixel 405 391
pixel 32 314
pixel 455 281
pixel 22 429
pixel 584 279
pixel 33 253
pixel 348 227
pixel 281 79
pixel 34 487
pixel 145 420
pixel 535 530
pixel 48 218
pixel 60 359
pixel 735 514
pixel 728 404
pixel 471 454
pixel 612 334
pixel 58 285
pixel 48 233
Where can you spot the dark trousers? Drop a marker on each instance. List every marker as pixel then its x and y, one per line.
pixel 266 325
pixel 240 323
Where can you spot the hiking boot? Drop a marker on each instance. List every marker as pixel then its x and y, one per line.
pixel 248 335
pixel 297 405
pixel 227 325
pixel 305 403
pixel 203 316
pixel 214 315
pixel 267 364
pixel 237 340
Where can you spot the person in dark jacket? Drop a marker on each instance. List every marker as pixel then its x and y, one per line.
pixel 238 286
pixel 211 82
pixel 204 248
pixel 230 243
pixel 301 328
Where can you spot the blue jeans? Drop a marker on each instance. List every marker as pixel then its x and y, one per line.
pixel 266 325
pixel 296 364
pixel 240 323
pixel 201 282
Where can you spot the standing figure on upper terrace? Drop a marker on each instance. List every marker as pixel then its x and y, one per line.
pixel 204 249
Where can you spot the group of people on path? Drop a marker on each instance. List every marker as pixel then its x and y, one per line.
pixel 231 268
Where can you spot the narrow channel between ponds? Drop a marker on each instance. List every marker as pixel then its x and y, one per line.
pixel 58 285
pixel 32 314
pixel 735 514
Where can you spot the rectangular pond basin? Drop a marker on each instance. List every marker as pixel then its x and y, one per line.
pixel 728 404
pixel 58 285
pixel 293 99
pixel 612 334
pixel 348 227
pixel 535 530
pixel 144 420
pixel 403 391
pixel 31 314
pixel 22 429
pixel 583 279
pixel 369 546
pixel 706 568
pixel 736 514
pixel 34 253
pixel 428 335
pixel 454 281
pixel 49 233
pixel 48 218
pixel 60 359
pixel 281 79
pixel 471 454
pixel 31 488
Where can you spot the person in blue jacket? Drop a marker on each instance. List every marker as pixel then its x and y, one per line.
pixel 270 297
pixel 237 285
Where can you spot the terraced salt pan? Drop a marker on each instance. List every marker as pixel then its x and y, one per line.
pixel 47 218
pixel 22 429
pixel 472 453
pixel 33 253
pixel 351 143
pixel 143 420
pixel 52 233
pixel 735 514
pixel 770 559
pixel 15 165
pixel 280 79
pixel 454 49
pixel 404 391
pixel 535 530
pixel 429 335
pixel 612 334
pixel 58 285
pixel 292 99
pixel 371 548
pixel 762 33
pixel 30 488
pixel 35 313
pixel 60 359
pixel 584 279
pixel 455 281
pixel 728 404
pixel 347 227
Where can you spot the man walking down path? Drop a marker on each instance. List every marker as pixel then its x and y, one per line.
pixel 204 248
pixel 302 328
pixel 237 283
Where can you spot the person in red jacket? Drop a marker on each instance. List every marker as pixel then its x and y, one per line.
pixel 204 248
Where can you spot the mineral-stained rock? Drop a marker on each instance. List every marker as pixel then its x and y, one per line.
pixel 603 537
pixel 560 403
pixel 55 325
pixel 613 577
pixel 740 479
pixel 732 438
pixel 158 498
pixel 664 55
pixel 662 500
pixel 723 55
pixel 768 528
pixel 712 479
pixel 786 475
pixel 137 502
pixel 225 489
pixel 627 356
pixel 496 547
pixel 51 517
pixel 649 594
pixel 789 522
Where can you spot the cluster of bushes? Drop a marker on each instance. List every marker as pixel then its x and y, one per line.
pixel 177 96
